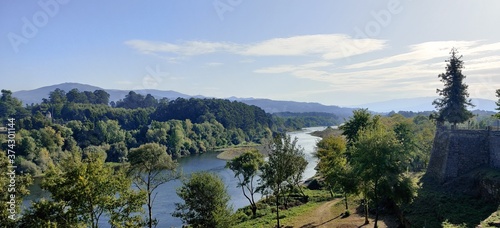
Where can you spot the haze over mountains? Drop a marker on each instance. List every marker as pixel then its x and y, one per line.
pixel 270 106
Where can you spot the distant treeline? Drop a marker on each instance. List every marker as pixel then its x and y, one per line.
pixel 79 121
pixel 293 121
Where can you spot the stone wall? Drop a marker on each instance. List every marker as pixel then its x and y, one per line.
pixel 456 152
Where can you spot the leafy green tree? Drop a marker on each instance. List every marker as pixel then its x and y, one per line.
pixel 205 202
pixel 101 97
pixel 86 189
pixel 452 106
pixel 11 107
pixel 278 171
pixel 75 96
pixel 109 131
pixel 360 120
pixel 12 194
pixel 246 168
pixel 334 166
pixel 150 167
pixel 378 160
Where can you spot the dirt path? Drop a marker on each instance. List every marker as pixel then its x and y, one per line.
pixel 329 214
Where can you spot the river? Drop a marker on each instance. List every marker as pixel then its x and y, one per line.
pixel 167 197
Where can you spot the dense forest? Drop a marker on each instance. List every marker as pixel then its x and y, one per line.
pixel 82 120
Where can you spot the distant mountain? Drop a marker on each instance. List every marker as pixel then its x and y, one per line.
pixel 420 104
pixel 36 95
pixel 270 106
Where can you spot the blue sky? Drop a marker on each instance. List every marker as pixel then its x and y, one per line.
pixel 332 52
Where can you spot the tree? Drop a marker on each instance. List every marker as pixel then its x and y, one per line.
pixel 11 206
pixel 280 168
pixel 360 120
pixel 498 103
pixel 378 160
pixel 334 166
pixel 205 202
pixel 452 106
pixel 84 189
pixel 150 167
pixel 245 168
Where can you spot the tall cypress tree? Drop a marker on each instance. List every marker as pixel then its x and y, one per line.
pixel 452 106
pixel 498 103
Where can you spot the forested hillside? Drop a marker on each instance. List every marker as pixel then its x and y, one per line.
pixel 83 120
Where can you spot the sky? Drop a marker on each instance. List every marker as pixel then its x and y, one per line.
pixel 332 52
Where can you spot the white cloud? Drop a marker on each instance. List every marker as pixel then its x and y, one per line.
pixel 291 68
pixel 326 46
pixel 189 48
pixel 418 53
pixel 214 64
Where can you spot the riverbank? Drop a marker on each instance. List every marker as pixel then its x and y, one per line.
pixel 232 152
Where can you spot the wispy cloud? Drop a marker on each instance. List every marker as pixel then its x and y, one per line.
pixel 291 68
pixel 188 48
pixel 214 64
pixel 414 71
pixel 326 46
pixel 329 46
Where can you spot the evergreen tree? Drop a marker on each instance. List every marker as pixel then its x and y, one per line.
pixel 498 104
pixel 453 104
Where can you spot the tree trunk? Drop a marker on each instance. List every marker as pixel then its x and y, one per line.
pixel 345 197
pixel 376 204
pixel 150 212
pixel 254 210
pixel 366 212
pixel 277 209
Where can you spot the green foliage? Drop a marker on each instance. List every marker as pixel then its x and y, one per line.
pixel 285 121
pixel 245 168
pixel 282 168
pixel 452 106
pixel 378 159
pixel 205 202
pixel 10 107
pixel 12 193
pixel 334 166
pixel 134 100
pixel 82 189
pixel 150 167
pixel 360 120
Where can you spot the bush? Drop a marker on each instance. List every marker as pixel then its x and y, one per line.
pixel 29 167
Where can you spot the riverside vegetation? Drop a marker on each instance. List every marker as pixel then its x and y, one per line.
pixel 82 146
pixel 91 154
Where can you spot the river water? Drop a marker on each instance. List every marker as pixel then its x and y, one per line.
pixel 165 201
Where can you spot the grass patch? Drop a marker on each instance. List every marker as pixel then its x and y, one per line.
pixel 266 213
pixel 229 153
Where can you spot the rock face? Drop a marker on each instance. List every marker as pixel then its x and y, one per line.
pixel 456 152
